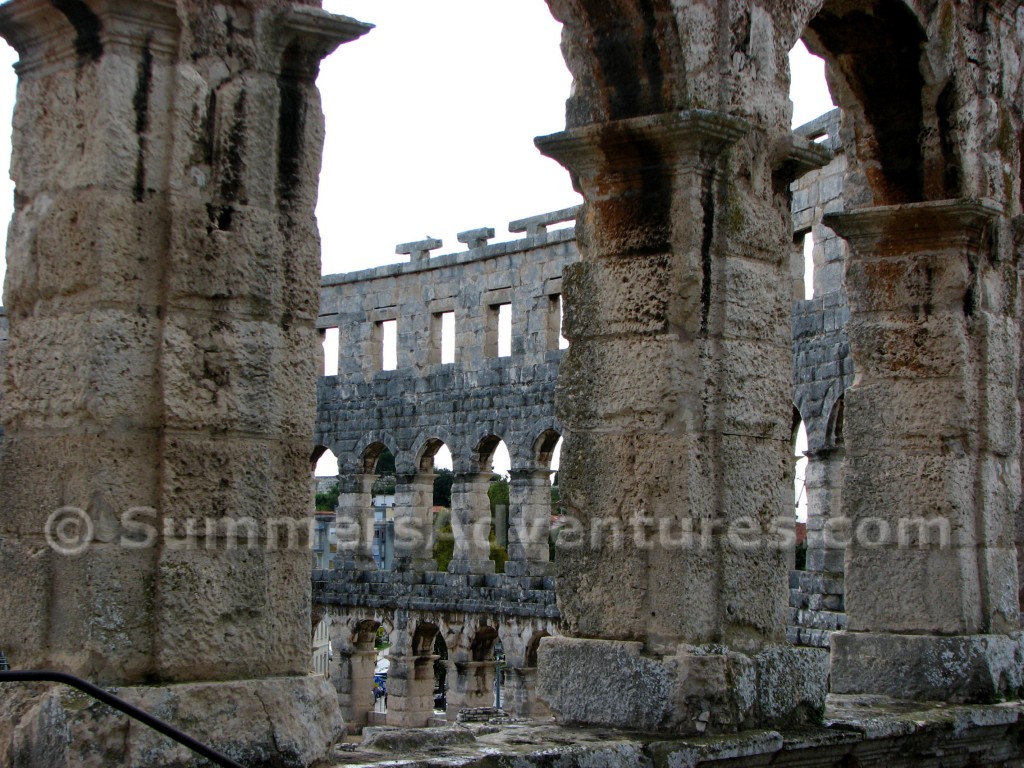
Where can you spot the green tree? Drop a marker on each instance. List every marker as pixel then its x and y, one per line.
pixel 443 481
pixel 327 501
pixel 444 539
pixel 497 492
pixel 385 463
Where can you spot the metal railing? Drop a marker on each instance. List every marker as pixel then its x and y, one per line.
pixel 49 676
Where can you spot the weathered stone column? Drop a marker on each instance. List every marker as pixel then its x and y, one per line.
pixel 471 686
pixel 675 392
pixel 414 525
pixel 354 682
pixel 471 524
pixel 826 532
pixel 162 283
pixel 932 477
pixel 520 693
pixel 355 521
pixel 529 523
pixel 411 677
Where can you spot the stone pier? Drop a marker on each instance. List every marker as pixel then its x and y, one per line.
pixel 932 476
pixel 163 266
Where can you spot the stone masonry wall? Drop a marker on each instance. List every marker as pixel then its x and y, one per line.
pixel 822 371
pixel 458 403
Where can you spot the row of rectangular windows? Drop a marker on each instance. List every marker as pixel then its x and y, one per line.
pixel 497 337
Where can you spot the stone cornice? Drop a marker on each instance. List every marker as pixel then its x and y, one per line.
pixel 802 156
pixel 894 230
pixel 47 38
pixel 681 141
pixel 317 33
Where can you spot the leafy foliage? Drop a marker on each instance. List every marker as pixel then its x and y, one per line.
pixel 327 501
pixel 443 487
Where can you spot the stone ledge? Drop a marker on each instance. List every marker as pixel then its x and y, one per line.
pixel 866 732
pixel 958 669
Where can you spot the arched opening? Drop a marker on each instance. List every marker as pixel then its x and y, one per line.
pixel 479 514
pixel 799 443
pixel 378 464
pixel 440 676
pixel 429 502
pixel 873 49
pixel 533 500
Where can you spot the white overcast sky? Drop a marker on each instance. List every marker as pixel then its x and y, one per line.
pixel 430 124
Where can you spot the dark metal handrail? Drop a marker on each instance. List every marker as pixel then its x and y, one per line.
pixel 50 676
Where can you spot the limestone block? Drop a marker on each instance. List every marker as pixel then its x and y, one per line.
pixel 959 668
pixel 896 419
pixel 934 345
pixel 277 721
pixel 105 476
pixel 643 294
pixel 245 607
pixel 750 383
pixel 908 286
pixel 95 367
pixel 694 690
pixel 238 375
pixel 910 590
pixel 664 389
pixel 92 244
pixel 749 311
pixel 234 478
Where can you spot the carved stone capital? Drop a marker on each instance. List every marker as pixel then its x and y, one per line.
pixel 626 151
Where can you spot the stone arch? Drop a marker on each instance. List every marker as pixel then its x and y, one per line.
pixel 873 49
pixel 426 446
pixel 369 450
pixel 411 682
pixel 354 661
pixel 533 646
pixel 482 454
pixel 834 426
pixel 544 446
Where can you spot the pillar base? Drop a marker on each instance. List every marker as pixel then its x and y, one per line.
pixel 699 689
pixel 958 669
pixel 285 721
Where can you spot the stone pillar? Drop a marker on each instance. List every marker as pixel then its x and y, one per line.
pixel 932 475
pixel 162 285
pixel 414 524
pixel 675 394
pixel 355 520
pixel 529 523
pixel 471 524
pixel 520 693
pixel 472 686
pixel 816 597
pixel 826 533
pixel 353 681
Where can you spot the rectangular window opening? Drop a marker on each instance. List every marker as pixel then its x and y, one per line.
pixel 447 337
pixel 563 343
pixel 504 330
pixel 808 265
pixel 331 340
pixel 389 344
